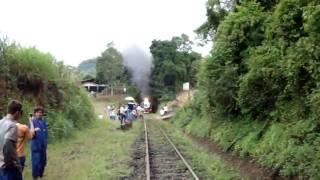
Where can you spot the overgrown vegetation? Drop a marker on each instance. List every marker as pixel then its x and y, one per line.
pixel 258 91
pixel 36 78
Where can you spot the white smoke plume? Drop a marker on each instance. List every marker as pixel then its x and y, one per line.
pixel 139 64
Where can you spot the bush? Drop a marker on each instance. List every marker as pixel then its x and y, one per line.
pixel 261 87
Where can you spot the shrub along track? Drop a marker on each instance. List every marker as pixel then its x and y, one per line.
pixel 156 157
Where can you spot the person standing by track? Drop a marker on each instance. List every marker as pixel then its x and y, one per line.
pixel 140 112
pixel 130 115
pixel 9 165
pixel 122 115
pixel 39 144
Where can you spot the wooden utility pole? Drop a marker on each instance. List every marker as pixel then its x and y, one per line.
pixel 111 90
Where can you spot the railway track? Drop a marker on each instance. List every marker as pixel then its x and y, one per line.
pixel 162 158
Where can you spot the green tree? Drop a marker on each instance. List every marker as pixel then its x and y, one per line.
pixel 174 63
pixel 109 66
pixel 88 68
pixel 217 10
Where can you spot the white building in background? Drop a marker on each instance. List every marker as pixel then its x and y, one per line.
pixel 92 86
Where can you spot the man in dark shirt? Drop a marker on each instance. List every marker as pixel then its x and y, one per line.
pixel 9 164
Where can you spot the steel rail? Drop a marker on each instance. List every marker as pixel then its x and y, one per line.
pixel 147 158
pixel 180 155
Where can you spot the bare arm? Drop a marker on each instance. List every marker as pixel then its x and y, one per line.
pixel 30 132
pixel 31 123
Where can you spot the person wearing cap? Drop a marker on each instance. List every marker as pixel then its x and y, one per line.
pixel 9 165
pixel 39 144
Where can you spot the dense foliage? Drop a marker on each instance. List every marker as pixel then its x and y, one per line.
pixel 174 62
pixel 258 91
pixel 36 78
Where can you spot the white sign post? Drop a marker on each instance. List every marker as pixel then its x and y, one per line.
pixel 124 90
pixel 186 87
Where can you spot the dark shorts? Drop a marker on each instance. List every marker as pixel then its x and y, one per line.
pixel 22 161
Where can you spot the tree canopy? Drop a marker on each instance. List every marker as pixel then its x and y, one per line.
pixel 109 66
pixel 174 62
pixel 87 68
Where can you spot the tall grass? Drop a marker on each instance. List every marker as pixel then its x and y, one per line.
pixel 37 78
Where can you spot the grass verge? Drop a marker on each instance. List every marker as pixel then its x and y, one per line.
pixel 99 152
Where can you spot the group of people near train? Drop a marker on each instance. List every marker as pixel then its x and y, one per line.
pixel 125 113
pixel 13 138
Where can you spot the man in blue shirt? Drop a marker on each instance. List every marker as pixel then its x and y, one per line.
pixel 39 144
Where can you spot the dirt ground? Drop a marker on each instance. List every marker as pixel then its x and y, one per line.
pixel 246 166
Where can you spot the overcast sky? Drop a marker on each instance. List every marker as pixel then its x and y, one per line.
pixel 75 30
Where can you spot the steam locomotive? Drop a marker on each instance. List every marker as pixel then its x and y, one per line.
pixel 146 105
